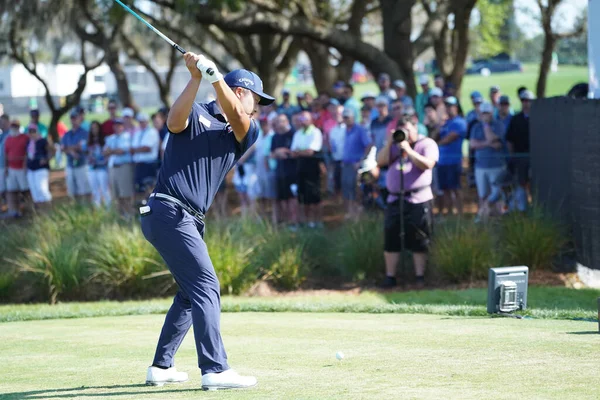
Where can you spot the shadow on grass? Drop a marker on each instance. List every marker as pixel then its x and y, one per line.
pixel 73 393
pixel 584 333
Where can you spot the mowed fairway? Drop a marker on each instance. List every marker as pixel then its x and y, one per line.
pixel 293 355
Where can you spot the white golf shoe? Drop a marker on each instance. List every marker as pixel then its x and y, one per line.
pixel 227 380
pixel 158 376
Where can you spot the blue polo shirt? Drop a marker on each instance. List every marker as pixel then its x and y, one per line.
pixel 73 138
pixel 379 131
pixel 451 153
pixel 198 158
pixel 357 140
pixel 489 157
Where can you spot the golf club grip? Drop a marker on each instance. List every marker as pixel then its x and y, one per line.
pixel 210 71
pixel 179 48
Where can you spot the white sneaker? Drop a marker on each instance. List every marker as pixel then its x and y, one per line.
pixel 158 376
pixel 227 380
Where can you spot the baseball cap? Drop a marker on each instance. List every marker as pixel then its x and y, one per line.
pixel 74 113
pixel 143 117
pixel 348 112
pixel 436 91
pixel 451 100
pixel 128 112
pixel 504 100
pixel 399 83
pixel 476 93
pixel 526 95
pixel 15 123
pixel 382 100
pixel 384 76
pixel 34 111
pixel 495 89
pixel 285 92
pixel 118 121
pixel 32 127
pixel 248 80
pixel 423 80
pixel 367 96
pixel 486 108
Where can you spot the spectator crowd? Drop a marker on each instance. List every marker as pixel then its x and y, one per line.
pixel 335 146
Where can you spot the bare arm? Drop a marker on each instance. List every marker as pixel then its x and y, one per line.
pixel 233 109
pixel 179 114
pixel 383 157
pixel 451 137
pixel 419 160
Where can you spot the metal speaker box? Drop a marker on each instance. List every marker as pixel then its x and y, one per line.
pixel 507 289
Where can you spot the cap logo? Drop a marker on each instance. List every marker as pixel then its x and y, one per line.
pixel 247 82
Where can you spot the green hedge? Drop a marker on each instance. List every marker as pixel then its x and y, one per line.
pixel 81 254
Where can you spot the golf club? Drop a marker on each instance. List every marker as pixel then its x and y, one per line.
pixel 159 33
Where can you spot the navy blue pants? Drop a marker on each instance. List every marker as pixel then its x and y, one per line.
pixel 178 237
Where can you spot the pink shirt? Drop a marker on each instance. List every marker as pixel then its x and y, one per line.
pixel 414 177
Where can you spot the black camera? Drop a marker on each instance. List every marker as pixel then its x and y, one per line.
pixel 399 135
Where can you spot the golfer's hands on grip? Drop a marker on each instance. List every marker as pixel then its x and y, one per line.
pixel 199 66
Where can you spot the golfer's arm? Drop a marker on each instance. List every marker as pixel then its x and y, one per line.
pixel 179 114
pixel 232 107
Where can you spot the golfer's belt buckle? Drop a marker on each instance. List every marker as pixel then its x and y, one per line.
pixel 145 210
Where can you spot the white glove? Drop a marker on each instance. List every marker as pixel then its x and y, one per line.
pixel 209 69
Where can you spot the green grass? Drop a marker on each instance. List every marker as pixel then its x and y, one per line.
pixel 293 357
pixel 543 302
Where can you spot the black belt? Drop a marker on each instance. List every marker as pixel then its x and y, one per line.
pixel 196 214
pixel 409 192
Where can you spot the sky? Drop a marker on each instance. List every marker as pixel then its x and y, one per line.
pixel 527 11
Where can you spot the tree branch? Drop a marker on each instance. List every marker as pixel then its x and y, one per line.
pixel 432 28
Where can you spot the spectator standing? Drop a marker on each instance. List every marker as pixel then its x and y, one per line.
pixel 365 118
pixel 379 125
pixel 487 140
pixel 349 102
pixel 265 168
pixel 306 146
pixel 412 114
pixel 384 82
pixel 504 111
pixel 400 89
pixel 4 133
pixel 15 153
pixel 337 137
pixel 356 147
pixel 73 144
pixel 285 171
pixel 145 147
pixel 439 82
pixel 495 98
pixel 368 101
pixel 286 107
pixel 84 123
pixel 450 142
pixel 423 97
pixel 419 154
pixel 98 166
pixel 436 97
pixel 120 167
pixel 434 124
pixel 245 181
pixel 476 99
pixel 35 119
pixel 128 121
pixel 39 153
pixel 107 126
pixel 517 139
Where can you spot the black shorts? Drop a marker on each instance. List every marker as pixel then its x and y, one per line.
pixel 309 181
pixel 145 176
pixel 284 192
pixel 418 227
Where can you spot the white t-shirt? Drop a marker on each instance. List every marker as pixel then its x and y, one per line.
pixel 148 137
pixel 121 142
pixel 337 137
pixel 310 138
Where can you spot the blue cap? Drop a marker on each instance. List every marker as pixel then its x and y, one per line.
pixel 333 101
pixel 118 121
pixel 504 100
pixel 248 80
pixel 451 101
pixel 476 93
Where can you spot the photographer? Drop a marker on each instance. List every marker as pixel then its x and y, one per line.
pixel 419 156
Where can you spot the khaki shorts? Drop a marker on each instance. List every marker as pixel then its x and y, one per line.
pixel 17 180
pixel 78 181
pixel 120 180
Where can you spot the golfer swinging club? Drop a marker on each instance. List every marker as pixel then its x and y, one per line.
pixel 205 142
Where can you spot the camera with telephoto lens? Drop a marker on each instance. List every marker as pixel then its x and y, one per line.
pixel 399 135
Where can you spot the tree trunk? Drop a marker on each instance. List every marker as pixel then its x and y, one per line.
pixel 461 27
pixel 324 74
pixel 549 44
pixel 397 27
pixel 53 128
pixel 112 59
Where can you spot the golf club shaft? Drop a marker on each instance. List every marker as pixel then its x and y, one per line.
pixel 159 33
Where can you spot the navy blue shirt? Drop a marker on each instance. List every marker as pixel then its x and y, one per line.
pixel 286 168
pixel 37 155
pixel 198 158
